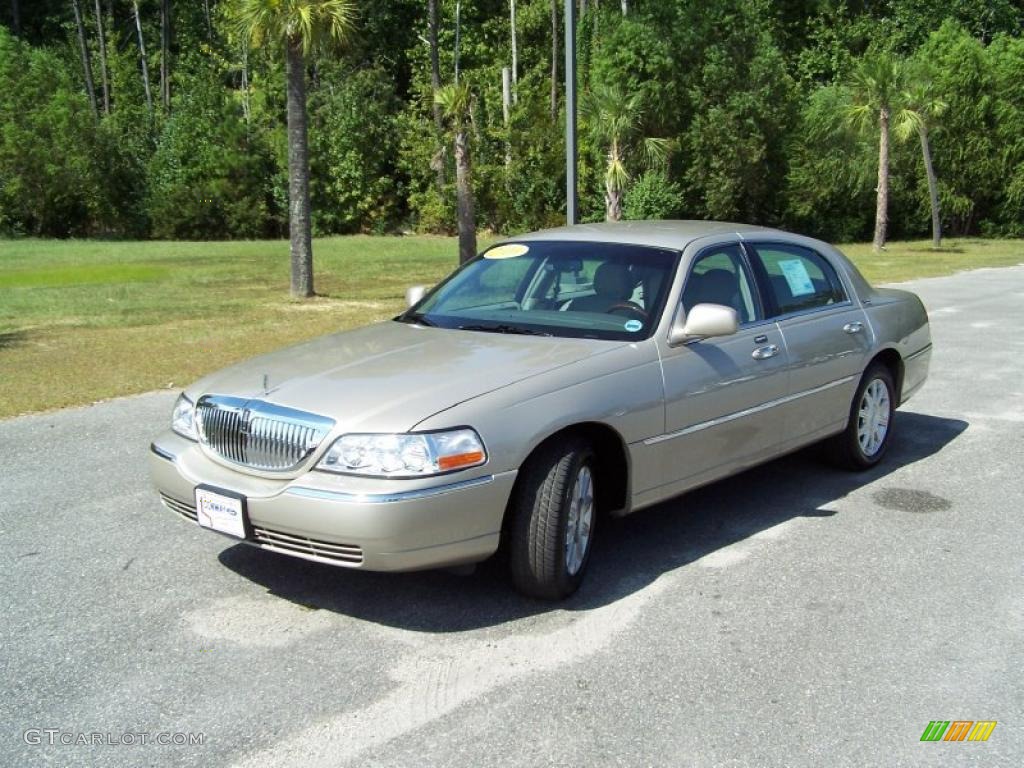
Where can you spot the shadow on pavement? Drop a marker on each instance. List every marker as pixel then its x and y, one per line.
pixel 629 553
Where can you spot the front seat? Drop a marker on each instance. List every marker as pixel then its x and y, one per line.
pixel 716 286
pixel 612 285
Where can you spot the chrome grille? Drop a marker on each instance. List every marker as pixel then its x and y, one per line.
pixel 257 434
pixel 183 508
pixel 285 543
pixel 311 549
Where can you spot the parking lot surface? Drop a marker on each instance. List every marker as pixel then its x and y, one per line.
pixel 795 615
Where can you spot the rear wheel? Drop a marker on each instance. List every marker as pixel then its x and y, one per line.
pixel 869 430
pixel 554 512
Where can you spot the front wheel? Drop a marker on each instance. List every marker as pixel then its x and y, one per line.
pixel 866 438
pixel 552 528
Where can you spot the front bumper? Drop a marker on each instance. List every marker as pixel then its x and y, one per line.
pixel 378 525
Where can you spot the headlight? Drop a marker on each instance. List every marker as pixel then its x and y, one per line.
pixel 183 419
pixel 411 455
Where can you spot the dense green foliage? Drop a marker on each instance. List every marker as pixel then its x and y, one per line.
pixel 748 95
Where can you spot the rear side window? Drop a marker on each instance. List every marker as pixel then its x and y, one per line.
pixel 799 278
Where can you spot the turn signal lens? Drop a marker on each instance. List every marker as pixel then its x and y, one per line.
pixel 460 460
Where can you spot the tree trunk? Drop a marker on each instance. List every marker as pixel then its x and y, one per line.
pixel 86 61
pixel 506 114
pixel 612 202
pixel 246 105
pixel 209 23
pixel 458 37
pixel 506 95
pixel 515 50
pixel 299 225
pixel 142 57
pixel 103 59
pixel 16 18
pixel 612 193
pixel 933 187
pixel 554 60
pixel 165 53
pixel 625 7
pixel 882 207
pixel 464 195
pixel 435 83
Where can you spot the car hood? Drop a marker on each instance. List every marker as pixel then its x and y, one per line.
pixel 390 376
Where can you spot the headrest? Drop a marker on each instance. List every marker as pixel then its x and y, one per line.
pixel 613 281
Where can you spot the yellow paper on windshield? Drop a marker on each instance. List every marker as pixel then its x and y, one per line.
pixel 509 251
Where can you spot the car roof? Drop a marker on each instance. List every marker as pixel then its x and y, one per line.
pixel 676 235
pixel 663 234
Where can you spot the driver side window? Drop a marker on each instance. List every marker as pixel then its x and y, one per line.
pixel 720 275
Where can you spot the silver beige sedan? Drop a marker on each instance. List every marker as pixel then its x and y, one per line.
pixel 558 377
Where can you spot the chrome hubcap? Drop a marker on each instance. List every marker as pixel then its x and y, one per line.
pixel 581 519
pixel 873 417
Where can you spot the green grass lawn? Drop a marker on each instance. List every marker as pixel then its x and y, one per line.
pixel 86 320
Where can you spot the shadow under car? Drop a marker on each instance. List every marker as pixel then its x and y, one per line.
pixel 629 553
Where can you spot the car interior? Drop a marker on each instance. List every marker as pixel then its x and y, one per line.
pixel 720 278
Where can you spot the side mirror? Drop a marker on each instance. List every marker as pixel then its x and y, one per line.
pixel 702 321
pixel 414 294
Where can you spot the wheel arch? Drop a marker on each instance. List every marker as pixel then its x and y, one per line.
pixel 614 463
pixel 891 359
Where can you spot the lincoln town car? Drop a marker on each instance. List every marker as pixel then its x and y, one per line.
pixel 558 378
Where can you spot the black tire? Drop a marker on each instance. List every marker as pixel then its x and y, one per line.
pixel 540 516
pixel 845 449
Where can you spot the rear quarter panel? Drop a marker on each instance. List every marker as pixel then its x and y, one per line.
pixel 899 321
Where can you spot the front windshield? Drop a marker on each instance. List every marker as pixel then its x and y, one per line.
pixel 555 288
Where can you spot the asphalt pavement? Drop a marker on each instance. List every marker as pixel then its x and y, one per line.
pixel 795 615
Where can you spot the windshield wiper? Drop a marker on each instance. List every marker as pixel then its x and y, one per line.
pixel 504 328
pixel 416 319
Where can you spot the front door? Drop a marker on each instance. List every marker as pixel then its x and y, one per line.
pixel 720 393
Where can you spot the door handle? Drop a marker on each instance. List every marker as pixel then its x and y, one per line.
pixel 855 327
pixel 763 353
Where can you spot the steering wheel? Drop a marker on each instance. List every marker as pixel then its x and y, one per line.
pixel 630 307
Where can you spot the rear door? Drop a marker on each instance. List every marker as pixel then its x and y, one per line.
pixel 720 393
pixel 827 336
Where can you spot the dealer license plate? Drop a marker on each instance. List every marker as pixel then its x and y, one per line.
pixel 219 511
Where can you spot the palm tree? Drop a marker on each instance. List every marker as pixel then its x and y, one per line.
pixel 456 102
pixel 615 121
pixel 299 26
pixel 921 105
pixel 875 87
